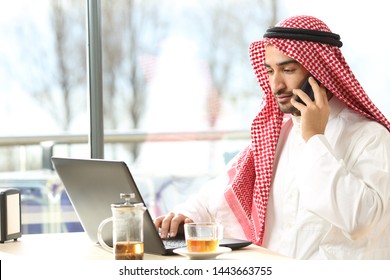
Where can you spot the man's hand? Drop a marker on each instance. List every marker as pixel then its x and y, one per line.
pixel 171 224
pixel 315 114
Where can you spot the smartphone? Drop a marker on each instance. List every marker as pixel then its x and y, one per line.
pixel 306 87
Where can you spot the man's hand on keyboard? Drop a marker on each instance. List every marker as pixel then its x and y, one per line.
pixel 169 225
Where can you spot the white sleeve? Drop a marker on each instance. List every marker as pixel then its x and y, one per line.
pixel 351 193
pixel 197 206
pixel 209 205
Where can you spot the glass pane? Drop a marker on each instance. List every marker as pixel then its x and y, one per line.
pixel 43 99
pixel 179 96
pixel 177 74
pixel 179 92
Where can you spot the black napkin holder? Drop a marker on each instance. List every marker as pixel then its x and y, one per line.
pixel 10 214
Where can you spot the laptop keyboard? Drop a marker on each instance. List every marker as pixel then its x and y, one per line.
pixel 174 243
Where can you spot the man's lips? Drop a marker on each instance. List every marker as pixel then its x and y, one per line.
pixel 284 97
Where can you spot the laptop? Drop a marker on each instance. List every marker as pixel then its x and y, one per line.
pixel 94 184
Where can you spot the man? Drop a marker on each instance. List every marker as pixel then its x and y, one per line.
pixel 315 181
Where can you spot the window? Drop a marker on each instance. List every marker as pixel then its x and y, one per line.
pixel 178 96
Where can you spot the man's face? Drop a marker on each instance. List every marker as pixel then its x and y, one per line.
pixel 285 74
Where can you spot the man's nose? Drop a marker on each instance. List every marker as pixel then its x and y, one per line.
pixel 277 83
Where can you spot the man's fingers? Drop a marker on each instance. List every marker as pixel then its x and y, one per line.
pixel 158 222
pixel 169 225
pixel 166 225
pixel 177 220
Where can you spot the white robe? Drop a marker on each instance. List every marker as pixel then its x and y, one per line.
pixel 329 197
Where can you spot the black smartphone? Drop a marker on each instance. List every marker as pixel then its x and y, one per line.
pixel 306 87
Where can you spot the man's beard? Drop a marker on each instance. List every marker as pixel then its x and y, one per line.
pixel 287 107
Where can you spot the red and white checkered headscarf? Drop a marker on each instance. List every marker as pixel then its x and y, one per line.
pixel 251 175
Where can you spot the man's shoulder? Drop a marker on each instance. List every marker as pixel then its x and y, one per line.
pixel 354 121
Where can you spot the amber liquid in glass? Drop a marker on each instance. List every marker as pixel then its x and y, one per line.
pixel 129 251
pixel 202 245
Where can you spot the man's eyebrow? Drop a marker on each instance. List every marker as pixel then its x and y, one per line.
pixel 282 63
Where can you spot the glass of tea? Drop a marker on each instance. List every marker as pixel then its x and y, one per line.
pixel 203 237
